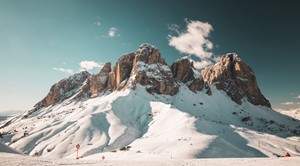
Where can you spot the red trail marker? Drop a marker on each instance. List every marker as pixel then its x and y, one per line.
pixel 77 147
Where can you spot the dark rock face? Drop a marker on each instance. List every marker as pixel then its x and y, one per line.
pixel 121 72
pixel 184 71
pixel 236 78
pixel 152 71
pixel 64 89
pixel 99 82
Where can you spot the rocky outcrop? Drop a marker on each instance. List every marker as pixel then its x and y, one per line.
pixel 183 70
pixel 151 70
pixel 64 89
pixel 99 82
pixel 121 72
pixel 236 78
pixel 149 54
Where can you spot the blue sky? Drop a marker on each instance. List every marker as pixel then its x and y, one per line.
pixel 39 39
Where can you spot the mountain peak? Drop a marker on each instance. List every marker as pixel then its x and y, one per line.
pixel 146 47
pixel 149 54
pixel 236 78
pixel 230 57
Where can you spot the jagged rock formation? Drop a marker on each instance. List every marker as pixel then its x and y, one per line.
pixel 64 89
pixel 236 78
pixel 99 82
pixel 121 72
pixel 147 68
pixel 152 71
pixel 183 70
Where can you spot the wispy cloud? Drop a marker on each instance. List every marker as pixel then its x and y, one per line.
pixel 98 23
pixel 67 71
pixel 89 65
pixel 202 64
pixel 193 41
pixel 175 28
pixel 290 103
pixel 290 110
pixel 113 32
pixel 298 97
pixel 83 66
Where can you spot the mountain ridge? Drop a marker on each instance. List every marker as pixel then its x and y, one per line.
pixel 132 69
pixel 143 107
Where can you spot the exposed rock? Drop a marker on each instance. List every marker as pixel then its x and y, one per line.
pixel 121 72
pixel 149 54
pixel 64 89
pixel 183 70
pixel 236 78
pixel 152 71
pixel 99 82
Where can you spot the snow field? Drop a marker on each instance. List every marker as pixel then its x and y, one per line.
pixel 135 125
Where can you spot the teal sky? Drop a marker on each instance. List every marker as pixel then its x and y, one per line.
pixel 38 36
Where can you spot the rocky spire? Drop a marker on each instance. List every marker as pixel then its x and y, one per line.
pixel 183 70
pixel 99 82
pixel 119 75
pixel 236 78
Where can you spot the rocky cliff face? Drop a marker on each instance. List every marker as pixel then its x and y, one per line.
pixel 99 82
pixel 147 68
pixel 121 72
pixel 183 70
pixel 64 89
pixel 236 78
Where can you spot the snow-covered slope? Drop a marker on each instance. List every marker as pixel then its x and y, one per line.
pixel 187 125
pixel 6 149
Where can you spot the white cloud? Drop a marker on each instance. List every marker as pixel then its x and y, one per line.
pixel 290 103
pixel 290 109
pixel 193 41
pixel 201 64
pixel 67 71
pixel 217 59
pixel 83 66
pixel 112 32
pixel 298 97
pixel 89 65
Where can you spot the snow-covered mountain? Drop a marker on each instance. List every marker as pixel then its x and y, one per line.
pixel 144 108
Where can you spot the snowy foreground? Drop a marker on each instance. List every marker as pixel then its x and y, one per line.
pixel 13 159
